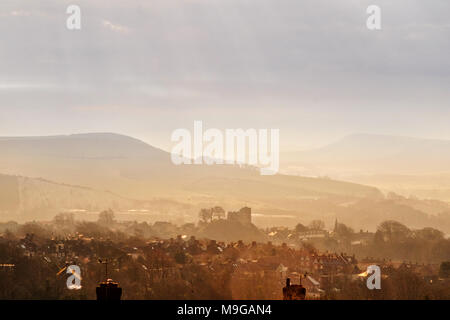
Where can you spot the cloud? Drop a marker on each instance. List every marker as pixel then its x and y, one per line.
pixel 16 13
pixel 115 27
pixel 20 13
pixel 312 63
pixel 27 86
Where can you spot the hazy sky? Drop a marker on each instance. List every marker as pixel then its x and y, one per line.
pixel 145 68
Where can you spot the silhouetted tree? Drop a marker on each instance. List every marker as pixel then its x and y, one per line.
pixel 317 225
pixel 300 228
pixel 205 215
pixel 344 231
pixel 444 270
pixel 429 234
pixel 64 219
pixel 106 217
pixel 393 231
pixel 218 212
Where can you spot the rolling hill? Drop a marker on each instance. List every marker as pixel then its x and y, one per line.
pixel 134 169
pixel 44 175
pixel 419 167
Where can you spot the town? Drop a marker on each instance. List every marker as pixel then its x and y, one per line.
pixel 165 261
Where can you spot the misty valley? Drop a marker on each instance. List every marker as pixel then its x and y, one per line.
pixel 204 232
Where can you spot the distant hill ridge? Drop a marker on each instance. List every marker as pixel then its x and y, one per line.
pixel 79 158
pixel 134 169
pixel 378 153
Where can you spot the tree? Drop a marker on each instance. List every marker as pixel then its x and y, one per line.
pixel 34 229
pixel 218 212
pixel 64 219
pixel 444 270
pixel 106 217
pixel 317 225
pixel 393 231
pixel 344 231
pixel 205 215
pixel 300 228
pixel 429 234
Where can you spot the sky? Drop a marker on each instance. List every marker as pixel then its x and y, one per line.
pixel 310 68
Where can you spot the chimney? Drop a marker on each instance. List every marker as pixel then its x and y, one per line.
pixel 288 282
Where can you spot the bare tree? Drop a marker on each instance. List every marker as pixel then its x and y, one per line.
pixel 317 225
pixel 218 212
pixel 205 215
pixel 106 217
